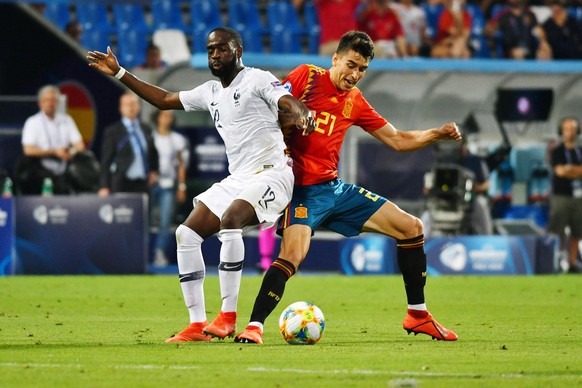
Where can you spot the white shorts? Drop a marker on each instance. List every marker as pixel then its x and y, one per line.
pixel 269 192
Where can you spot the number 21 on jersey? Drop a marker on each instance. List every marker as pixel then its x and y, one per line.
pixel 325 123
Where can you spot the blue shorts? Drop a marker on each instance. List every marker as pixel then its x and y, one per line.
pixel 338 206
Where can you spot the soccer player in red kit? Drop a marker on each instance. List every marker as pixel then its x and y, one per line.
pixel 320 198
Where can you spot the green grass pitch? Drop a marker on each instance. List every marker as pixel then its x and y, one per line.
pixel 109 331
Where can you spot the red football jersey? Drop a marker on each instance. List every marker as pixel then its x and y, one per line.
pixel 316 157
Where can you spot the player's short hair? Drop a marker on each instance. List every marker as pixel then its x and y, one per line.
pixel 357 41
pixel 233 34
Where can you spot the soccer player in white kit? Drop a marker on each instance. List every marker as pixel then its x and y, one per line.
pixel 244 105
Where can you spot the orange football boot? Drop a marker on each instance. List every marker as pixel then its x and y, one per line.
pixel 224 325
pixel 251 335
pixel 427 325
pixel 192 333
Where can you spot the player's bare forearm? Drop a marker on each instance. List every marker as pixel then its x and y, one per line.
pixel 158 97
pixel 107 63
pixel 415 140
pixel 294 112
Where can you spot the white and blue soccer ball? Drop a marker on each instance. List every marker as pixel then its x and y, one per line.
pixel 302 323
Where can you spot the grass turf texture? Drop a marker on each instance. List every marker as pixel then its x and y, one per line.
pixel 109 331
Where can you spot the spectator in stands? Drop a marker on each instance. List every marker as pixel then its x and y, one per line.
pixel 564 32
pixel 453 31
pixel 129 159
pixel 52 138
pixel 381 23
pixel 566 197
pixel 413 21
pixel 75 30
pixel 521 35
pixel 153 58
pixel 336 17
pixel 173 152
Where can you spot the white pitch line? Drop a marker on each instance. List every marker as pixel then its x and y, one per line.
pixel 407 373
pixel 137 366
pixel 362 372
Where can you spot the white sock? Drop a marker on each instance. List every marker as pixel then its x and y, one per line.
pixel 257 324
pixel 192 271
pixel 232 254
pixel 420 307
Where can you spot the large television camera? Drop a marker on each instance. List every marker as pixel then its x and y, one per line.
pixel 449 198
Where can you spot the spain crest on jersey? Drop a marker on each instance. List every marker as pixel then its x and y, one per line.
pixel 348 109
pixel 300 212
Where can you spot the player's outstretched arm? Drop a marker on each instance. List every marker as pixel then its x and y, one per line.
pixel 107 63
pixel 415 140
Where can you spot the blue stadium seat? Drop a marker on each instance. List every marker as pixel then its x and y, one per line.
pixel 525 159
pixel 575 12
pixel 58 14
pixel 167 15
pixel 132 47
pixel 432 12
pixel 244 17
pixel 478 41
pixel 252 41
pixel 128 15
pixel 94 16
pixel 205 16
pixel 498 9
pixel 286 30
pixel 312 27
pixel 95 39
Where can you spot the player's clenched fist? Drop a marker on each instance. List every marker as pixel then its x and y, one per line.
pixel 449 131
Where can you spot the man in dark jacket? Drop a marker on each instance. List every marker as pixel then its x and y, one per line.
pixel 129 159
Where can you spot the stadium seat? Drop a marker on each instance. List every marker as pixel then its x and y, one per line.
pixel 166 14
pixel 205 16
pixel 478 41
pixel 128 15
pixel 173 46
pixel 94 16
pixel 432 12
pixel 538 185
pixel 498 9
pixel 58 13
pixel 132 47
pixel 575 12
pixel 286 30
pixel 525 159
pixel 542 12
pixel 312 27
pixel 95 39
pixel 244 17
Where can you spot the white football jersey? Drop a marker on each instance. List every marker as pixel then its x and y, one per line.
pixel 245 116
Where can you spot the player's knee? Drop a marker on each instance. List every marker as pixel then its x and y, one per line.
pixel 414 228
pixel 186 237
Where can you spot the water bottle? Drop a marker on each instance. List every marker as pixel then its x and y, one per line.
pixel 47 187
pixel 7 188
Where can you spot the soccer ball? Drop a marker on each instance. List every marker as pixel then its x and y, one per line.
pixel 302 323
